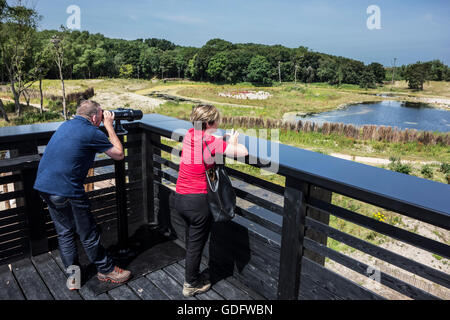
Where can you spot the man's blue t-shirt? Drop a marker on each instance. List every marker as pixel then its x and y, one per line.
pixel 68 157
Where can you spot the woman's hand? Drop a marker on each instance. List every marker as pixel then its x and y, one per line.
pixel 233 137
pixel 234 149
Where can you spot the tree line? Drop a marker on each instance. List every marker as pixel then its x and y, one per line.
pixel 28 55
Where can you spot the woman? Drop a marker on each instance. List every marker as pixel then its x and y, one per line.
pixel 191 190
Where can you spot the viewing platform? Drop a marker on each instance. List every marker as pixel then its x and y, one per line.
pixel 279 245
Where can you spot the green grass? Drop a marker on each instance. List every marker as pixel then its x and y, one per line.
pixel 29 115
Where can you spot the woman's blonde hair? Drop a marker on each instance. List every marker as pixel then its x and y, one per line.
pixel 206 114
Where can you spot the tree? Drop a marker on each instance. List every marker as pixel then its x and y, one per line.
pixel 436 70
pixel 415 75
pixel 160 44
pixel 195 67
pixel 41 62
pixel 216 67
pixel 118 61
pixel 86 62
pixel 149 61
pixel 310 74
pixel 327 71
pixel 308 64
pixel 378 71
pixel 2 11
pixel 126 71
pixel 226 66
pixel 367 79
pixel 259 71
pixel 17 33
pixel 58 55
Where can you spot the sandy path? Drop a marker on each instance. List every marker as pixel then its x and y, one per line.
pixel 131 100
pixel 38 106
pixel 376 161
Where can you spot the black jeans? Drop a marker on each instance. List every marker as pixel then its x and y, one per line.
pixel 194 210
pixel 72 216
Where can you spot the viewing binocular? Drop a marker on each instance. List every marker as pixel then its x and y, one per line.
pixel 124 114
pixel 127 114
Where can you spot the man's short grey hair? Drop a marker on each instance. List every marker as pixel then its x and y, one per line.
pixel 88 108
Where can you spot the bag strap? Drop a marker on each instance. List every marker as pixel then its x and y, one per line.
pixel 203 158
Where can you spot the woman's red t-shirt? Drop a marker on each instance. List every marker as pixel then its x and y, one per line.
pixel 191 176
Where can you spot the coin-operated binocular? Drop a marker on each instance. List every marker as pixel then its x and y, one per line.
pixel 124 114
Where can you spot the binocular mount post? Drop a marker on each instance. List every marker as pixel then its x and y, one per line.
pixel 119 129
pixel 121 200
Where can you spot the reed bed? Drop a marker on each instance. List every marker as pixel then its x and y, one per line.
pixel 366 132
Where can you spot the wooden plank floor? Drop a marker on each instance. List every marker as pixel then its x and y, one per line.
pixel 42 278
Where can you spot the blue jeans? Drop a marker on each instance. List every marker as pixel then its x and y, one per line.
pixel 72 216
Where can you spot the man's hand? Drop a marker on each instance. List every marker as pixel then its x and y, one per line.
pixel 108 118
pixel 116 152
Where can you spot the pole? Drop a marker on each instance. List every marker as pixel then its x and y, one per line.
pixel 393 71
pixel 295 73
pixel 121 202
pixel 279 70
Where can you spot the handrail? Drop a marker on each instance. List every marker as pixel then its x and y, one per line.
pixel 391 190
pixel 296 218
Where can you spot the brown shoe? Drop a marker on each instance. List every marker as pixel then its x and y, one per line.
pixel 203 284
pixel 118 275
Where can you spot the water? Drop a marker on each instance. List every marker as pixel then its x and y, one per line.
pixel 399 114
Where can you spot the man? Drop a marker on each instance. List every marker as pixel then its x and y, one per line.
pixel 62 170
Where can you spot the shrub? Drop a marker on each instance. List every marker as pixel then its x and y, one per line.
pixel 427 171
pixel 33 117
pixel 397 166
pixel 10 107
pixel 55 105
pixel 445 168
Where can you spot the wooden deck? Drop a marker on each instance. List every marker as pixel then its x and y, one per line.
pixel 42 278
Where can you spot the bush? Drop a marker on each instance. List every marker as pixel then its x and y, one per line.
pixel 296 88
pixel 427 171
pixel 397 166
pixel 10 107
pixel 34 117
pixel 55 105
pixel 445 168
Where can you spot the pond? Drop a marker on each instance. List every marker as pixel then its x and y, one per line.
pixel 392 113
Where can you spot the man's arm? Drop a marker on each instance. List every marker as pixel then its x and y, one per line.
pixel 116 152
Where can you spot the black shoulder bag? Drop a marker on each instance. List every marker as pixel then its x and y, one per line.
pixel 221 196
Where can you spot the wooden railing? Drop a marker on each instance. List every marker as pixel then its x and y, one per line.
pixel 280 243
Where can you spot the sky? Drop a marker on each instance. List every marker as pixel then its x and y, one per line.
pixel 410 30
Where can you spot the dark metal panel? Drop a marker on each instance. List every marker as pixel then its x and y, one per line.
pixel 335 283
pixel 397 233
pixel 362 268
pixel 393 258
